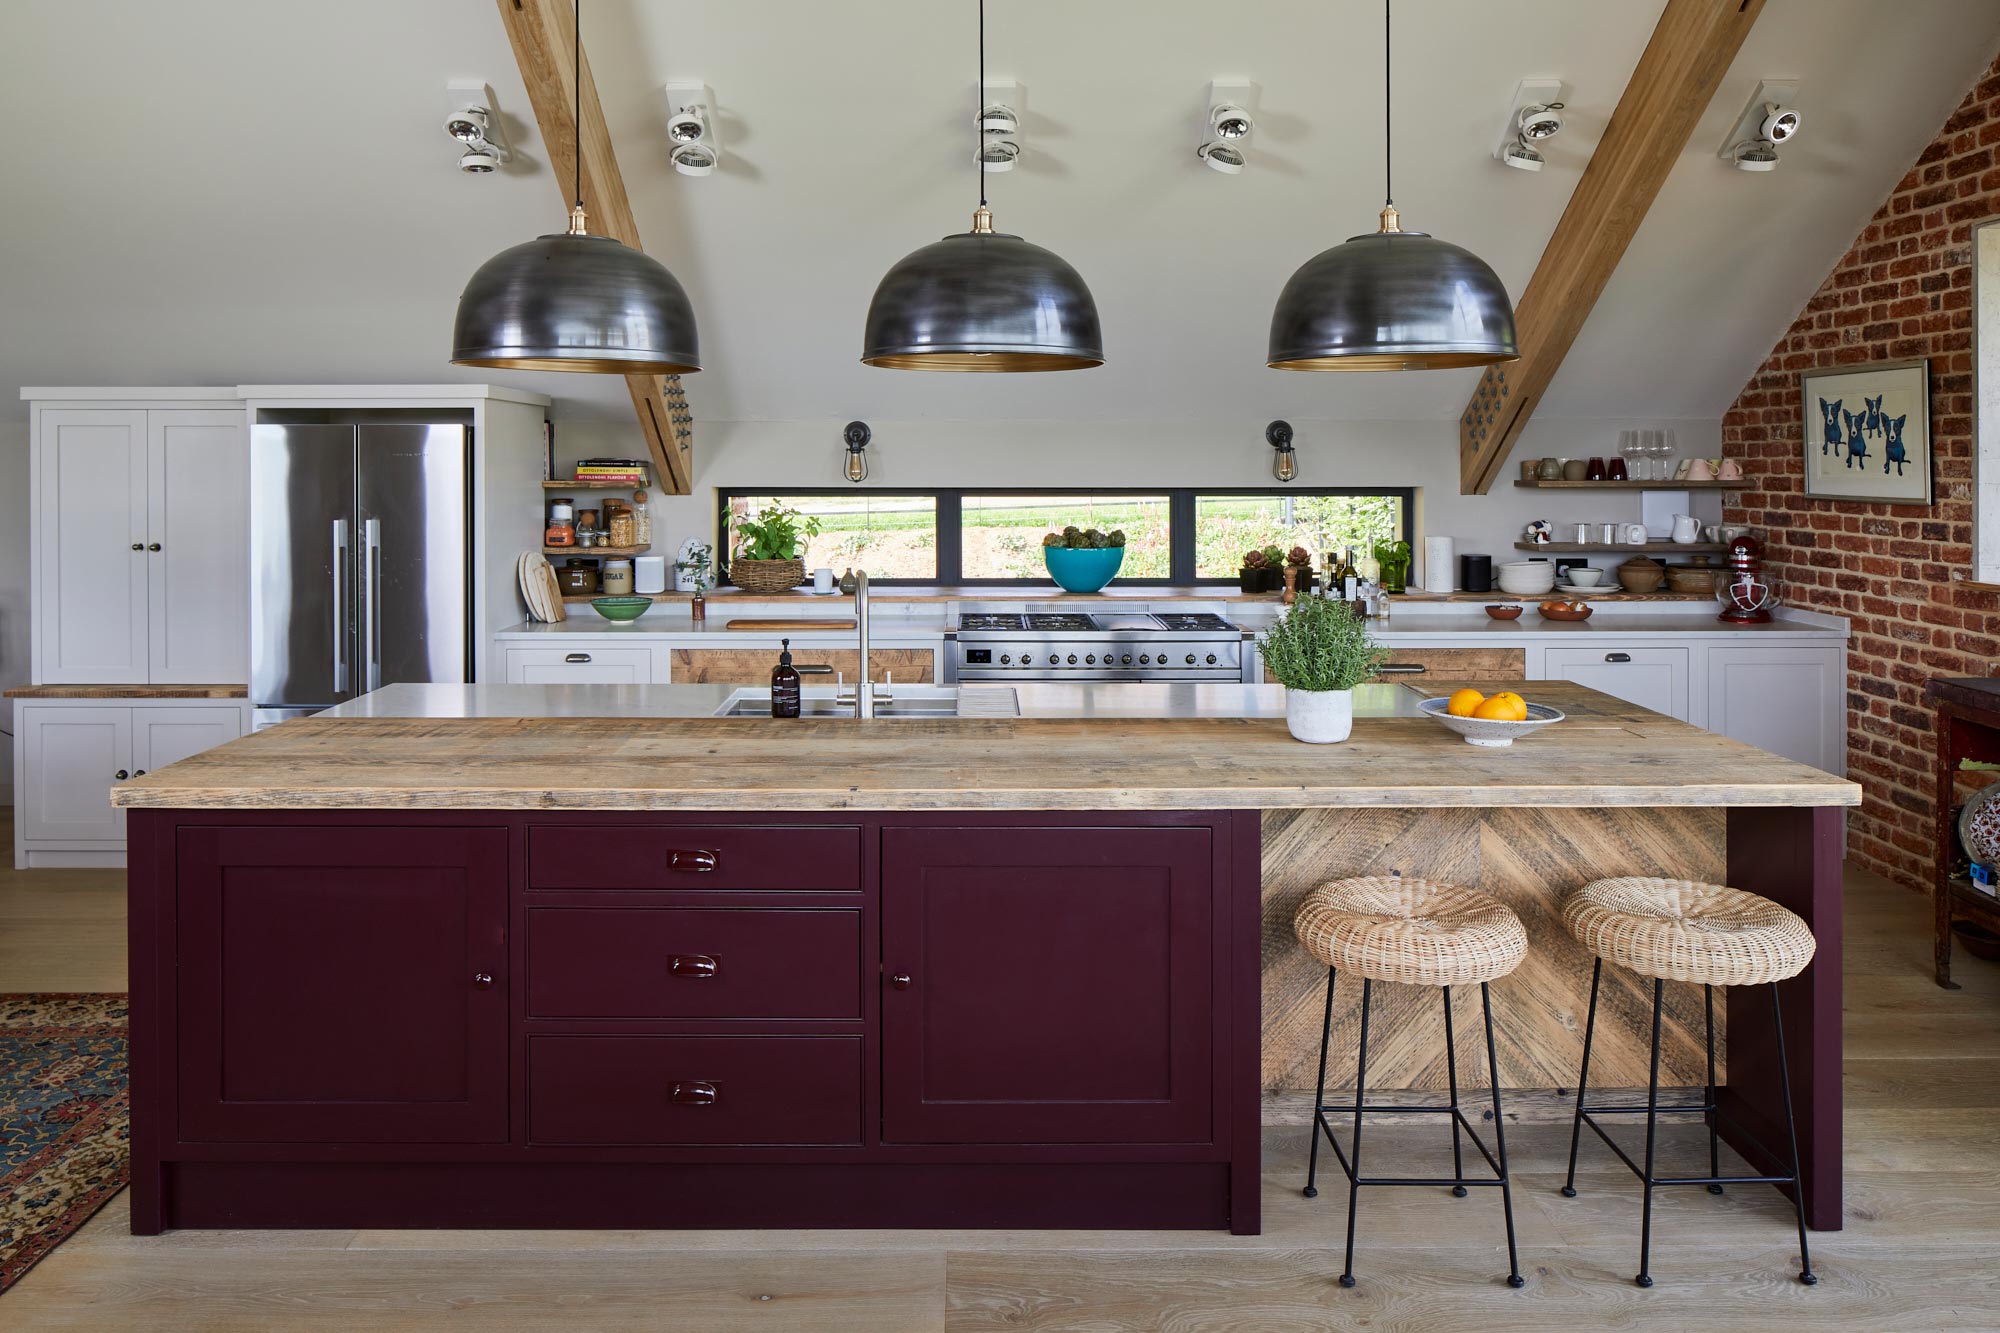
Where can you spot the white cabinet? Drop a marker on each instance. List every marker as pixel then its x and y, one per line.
pixel 1790 700
pixel 1655 678
pixel 584 663
pixel 140 566
pixel 69 753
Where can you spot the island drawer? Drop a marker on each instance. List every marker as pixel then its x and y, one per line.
pixel 694 856
pixel 694 1090
pixel 613 962
pixel 1452 664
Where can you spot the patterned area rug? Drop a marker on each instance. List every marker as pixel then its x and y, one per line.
pixel 65 1121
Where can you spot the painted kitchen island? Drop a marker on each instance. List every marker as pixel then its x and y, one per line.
pixel 518 957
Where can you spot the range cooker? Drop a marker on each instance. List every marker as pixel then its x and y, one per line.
pixel 1071 646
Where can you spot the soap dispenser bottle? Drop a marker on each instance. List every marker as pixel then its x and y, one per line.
pixel 784 683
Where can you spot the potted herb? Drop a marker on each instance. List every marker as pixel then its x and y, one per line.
pixel 1083 559
pixel 1251 577
pixel 1394 557
pixel 1320 650
pixel 770 549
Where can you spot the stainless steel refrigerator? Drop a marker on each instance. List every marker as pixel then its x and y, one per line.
pixel 360 550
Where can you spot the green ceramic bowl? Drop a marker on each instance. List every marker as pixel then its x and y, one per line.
pixel 621 608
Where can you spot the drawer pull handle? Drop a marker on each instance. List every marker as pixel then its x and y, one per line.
pixel 1404 669
pixel 121 775
pixel 693 1092
pixel 694 966
pixel 1618 657
pixel 691 863
pixel 900 981
pixel 577 658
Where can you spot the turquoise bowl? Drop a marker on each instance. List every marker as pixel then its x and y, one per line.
pixel 621 608
pixel 1083 570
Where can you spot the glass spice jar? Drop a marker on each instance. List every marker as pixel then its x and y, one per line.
pixel 561 530
pixel 618 522
pixel 642 520
pixel 586 528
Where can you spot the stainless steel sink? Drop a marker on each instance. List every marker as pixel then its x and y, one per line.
pixel 905 701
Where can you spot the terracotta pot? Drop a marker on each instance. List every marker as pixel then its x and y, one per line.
pixel 1641 575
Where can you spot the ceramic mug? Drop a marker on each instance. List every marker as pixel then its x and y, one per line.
pixel 1551 469
pixel 1575 469
pixel 822 581
pixel 1728 469
pixel 1530 468
pixel 1699 469
pixel 1635 534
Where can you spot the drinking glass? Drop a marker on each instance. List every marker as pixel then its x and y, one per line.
pixel 1668 448
pixel 1628 445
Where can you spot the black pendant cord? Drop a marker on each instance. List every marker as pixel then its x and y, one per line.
pixel 979 111
pixel 1388 116
pixel 576 79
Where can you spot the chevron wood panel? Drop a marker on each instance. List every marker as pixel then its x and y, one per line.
pixel 1529 859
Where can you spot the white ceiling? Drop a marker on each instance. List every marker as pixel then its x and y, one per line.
pixel 225 191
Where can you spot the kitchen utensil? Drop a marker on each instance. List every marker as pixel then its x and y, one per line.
pixel 1729 532
pixel 1530 579
pixel 1505 610
pixel 1594 470
pixel 1635 534
pixel 1728 469
pixel 1607 533
pixel 793 625
pixel 1575 469
pixel 617 578
pixel 1698 469
pixel 1641 575
pixel 577 577
pixel 551 595
pixel 1582 534
pixel 1687 529
pixel 621 608
pixel 1615 470
pixel 1979 824
pixel 1529 468
pixel 1551 469
pixel 1686 578
pixel 1583 590
pixel 1563 611
pixel 1475 573
pixel 1583 576
pixel 1083 570
pixel 1486 731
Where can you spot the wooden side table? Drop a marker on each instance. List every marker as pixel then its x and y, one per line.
pixel 1968 727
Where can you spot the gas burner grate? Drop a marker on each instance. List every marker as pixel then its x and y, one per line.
pixel 991 620
pixel 1061 622
pixel 1192 620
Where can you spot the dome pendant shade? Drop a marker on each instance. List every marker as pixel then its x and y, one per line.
pixel 1392 300
pixel 573 301
pixel 982 301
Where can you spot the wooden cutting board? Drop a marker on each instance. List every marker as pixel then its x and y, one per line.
pixel 794 625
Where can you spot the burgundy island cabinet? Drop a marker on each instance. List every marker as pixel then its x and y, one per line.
pixel 427 972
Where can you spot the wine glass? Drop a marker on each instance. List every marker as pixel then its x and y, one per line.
pixel 1668 448
pixel 1628 445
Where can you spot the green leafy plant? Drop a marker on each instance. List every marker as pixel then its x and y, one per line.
pixel 777 533
pixel 698 567
pixel 1085 539
pixel 1320 644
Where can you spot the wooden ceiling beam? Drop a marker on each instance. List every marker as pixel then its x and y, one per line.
pixel 541 34
pixel 1690 51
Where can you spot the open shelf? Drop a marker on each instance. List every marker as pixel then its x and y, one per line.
pixel 1649 548
pixel 584 597
pixel 1539 485
pixel 596 552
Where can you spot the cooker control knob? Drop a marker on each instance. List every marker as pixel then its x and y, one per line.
pixel 1126 659
pixel 1211 659
pixel 1072 659
pixel 1005 660
pixel 1190 659
pixel 1145 659
pixel 1091 660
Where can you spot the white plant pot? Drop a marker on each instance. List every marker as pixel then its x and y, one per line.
pixel 1319 717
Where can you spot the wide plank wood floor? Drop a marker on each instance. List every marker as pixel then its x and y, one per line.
pixel 1923 1219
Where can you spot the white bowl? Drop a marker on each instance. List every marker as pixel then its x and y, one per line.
pixel 1527 583
pixel 1491 732
pixel 1584 578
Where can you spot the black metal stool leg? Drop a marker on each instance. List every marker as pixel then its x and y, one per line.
pixel 1806 1275
pixel 1360 1096
pixel 1583 1079
pixel 1311 1191
pixel 1645 1278
pixel 1708 1108
pixel 1451 1077
pixel 1514 1278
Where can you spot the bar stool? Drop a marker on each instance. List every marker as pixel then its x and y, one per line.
pixel 1678 930
pixel 1419 933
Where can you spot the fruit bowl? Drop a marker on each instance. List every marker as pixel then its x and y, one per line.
pixel 1491 731
pixel 1563 611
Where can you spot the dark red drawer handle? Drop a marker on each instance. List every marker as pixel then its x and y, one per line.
pixel 693 863
pixel 693 966
pixel 693 1092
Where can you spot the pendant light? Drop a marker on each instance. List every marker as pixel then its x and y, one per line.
pixel 1393 299
pixel 982 300
pixel 573 301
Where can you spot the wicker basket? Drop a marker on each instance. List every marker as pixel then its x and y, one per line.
pixel 767 575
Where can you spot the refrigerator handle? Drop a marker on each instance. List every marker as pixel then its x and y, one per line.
pixel 339 606
pixel 371 604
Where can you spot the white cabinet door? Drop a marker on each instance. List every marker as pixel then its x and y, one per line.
pixel 72 757
pixel 1655 678
pixel 197 555
pixel 162 736
pixel 579 666
pixel 90 552
pixel 1786 699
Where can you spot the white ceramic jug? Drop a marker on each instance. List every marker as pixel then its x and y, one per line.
pixel 1687 528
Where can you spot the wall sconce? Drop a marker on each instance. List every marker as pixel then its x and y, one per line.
pixel 1285 467
pixel 857 436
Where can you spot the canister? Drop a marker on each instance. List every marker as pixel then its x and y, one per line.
pixel 617 578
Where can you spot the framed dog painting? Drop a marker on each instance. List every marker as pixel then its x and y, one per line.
pixel 1868 432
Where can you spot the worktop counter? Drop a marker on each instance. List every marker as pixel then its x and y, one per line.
pixel 1608 753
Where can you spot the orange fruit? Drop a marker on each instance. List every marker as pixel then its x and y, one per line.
pixel 1463 702
pixel 1503 707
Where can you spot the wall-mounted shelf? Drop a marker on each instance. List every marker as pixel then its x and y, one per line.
pixel 574 599
pixel 1649 548
pixel 596 552
pixel 608 485
pixel 1539 485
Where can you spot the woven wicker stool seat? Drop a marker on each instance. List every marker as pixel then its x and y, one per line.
pixel 1684 931
pixel 1416 931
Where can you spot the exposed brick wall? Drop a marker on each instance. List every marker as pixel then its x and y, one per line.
pixel 1903 290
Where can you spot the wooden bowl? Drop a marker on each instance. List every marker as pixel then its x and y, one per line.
pixel 1563 611
pixel 1505 610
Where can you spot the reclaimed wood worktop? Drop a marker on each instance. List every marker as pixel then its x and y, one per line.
pixel 1607 753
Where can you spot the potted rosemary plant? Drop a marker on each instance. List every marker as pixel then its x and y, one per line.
pixel 1320 650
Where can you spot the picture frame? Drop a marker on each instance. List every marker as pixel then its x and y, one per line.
pixel 1867 432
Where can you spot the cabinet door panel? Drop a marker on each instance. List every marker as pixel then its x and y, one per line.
pixel 198 581
pixel 72 757
pixel 1788 700
pixel 162 736
pixel 1655 678
pixel 343 984
pixel 752 666
pixel 1059 985
pixel 90 557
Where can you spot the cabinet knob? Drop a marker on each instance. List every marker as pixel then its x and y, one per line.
pixel 482 981
pixel 121 775
pixel 900 981
pixel 692 1092
pixel 693 966
pixel 139 773
pixel 153 546
pixel 138 546
pixel 698 862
